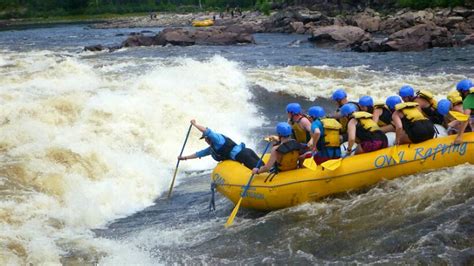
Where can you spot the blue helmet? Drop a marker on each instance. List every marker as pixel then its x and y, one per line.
pixel 406 91
pixel 347 109
pixel 366 101
pixel 283 129
pixel 339 94
pixel 464 85
pixel 316 112
pixel 392 101
pixel 294 108
pixel 444 106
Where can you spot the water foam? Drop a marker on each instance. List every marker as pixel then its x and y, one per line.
pixel 321 81
pixel 87 144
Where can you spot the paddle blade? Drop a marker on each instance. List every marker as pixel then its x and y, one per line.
pixel 459 116
pixel 394 154
pixel 310 164
pixel 332 165
pixel 230 220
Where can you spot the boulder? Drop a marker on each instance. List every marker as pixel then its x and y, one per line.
pixel 463 12
pixel 469 39
pixel 95 48
pixel 420 37
pixel 298 27
pixel 340 36
pixel 367 22
pixel 373 45
pixel 209 36
pixel 139 40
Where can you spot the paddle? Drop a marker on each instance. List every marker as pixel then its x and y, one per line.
pixel 230 220
pixel 177 164
pixel 394 153
pixel 332 165
pixel 459 116
pixel 310 164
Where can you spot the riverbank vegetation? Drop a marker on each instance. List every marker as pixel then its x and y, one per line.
pixel 57 8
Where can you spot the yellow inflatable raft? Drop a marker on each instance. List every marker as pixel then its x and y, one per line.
pixel 203 23
pixel 294 187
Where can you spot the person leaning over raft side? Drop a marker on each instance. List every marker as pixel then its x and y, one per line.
pixel 325 141
pixel 223 148
pixel 285 155
pixel 363 130
pixel 301 126
pixel 380 113
pixel 411 126
pixel 426 103
pixel 443 108
pixel 466 89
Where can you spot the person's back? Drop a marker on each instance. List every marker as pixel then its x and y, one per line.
pixel 222 148
pixel 410 124
pixel 325 136
pixel 285 155
pixel 362 129
pixel 380 113
pixel 428 106
pixel 301 126
pixel 288 152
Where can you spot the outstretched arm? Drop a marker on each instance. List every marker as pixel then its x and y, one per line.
pixel 192 156
pixel 199 127
pixel 268 165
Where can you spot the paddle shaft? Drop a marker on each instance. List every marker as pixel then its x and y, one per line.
pixel 258 165
pixel 230 220
pixel 177 164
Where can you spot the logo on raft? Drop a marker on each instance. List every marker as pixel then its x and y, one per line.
pixel 422 154
pixel 219 180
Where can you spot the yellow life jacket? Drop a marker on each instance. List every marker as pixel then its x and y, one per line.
pixel 455 98
pixel 386 117
pixel 365 119
pixel 300 134
pixel 410 111
pixel 427 95
pixel 471 90
pixel 290 152
pixel 332 129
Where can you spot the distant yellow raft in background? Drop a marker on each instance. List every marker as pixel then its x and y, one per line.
pixel 203 23
pixel 294 187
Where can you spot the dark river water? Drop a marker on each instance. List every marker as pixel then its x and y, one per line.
pixel 89 142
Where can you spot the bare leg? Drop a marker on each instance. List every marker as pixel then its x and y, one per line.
pixel 404 139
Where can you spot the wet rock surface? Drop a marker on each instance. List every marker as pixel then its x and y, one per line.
pixel 364 30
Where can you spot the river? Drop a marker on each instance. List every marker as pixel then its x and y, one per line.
pixel 89 142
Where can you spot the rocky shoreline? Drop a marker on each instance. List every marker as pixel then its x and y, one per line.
pixel 361 31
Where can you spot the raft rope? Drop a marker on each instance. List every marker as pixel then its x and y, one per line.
pixel 212 202
pixel 436 131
